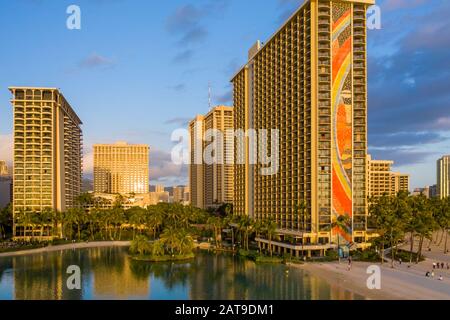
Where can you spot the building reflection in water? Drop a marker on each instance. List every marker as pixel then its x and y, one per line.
pixel 105 274
pixel 113 277
pixel 222 277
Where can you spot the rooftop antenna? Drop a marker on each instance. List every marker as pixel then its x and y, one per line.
pixel 209 96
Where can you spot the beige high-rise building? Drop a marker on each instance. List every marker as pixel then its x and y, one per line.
pixel 196 161
pixel 380 177
pixel 47 154
pixel 400 182
pixel 382 181
pixel 309 81
pixel 443 177
pixel 3 169
pixel 121 168
pixel 211 184
pixel 159 188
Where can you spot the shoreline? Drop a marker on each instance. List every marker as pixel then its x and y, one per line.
pixel 69 246
pixel 400 283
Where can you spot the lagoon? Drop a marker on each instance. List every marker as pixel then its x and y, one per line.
pixel 108 273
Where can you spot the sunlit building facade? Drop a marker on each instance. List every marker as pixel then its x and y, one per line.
pixel 47 155
pixel 382 181
pixel 309 81
pixel 121 168
pixel 443 177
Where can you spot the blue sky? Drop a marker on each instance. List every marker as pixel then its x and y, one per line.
pixel 139 69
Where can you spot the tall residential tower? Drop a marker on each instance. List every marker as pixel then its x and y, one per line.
pixel 443 177
pixel 47 154
pixel 309 81
pixel 211 184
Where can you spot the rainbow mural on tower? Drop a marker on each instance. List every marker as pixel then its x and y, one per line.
pixel 342 119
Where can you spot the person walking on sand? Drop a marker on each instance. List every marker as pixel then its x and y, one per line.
pixel 349 263
pixel 441 278
pixel 434 265
pixel 448 266
pixel 442 265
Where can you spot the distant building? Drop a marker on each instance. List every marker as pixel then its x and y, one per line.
pixel 159 188
pixel 3 169
pixel 5 191
pixel 181 194
pixel 421 191
pixel 382 181
pixel 434 191
pixel 121 168
pixel 443 177
pixel 47 154
pixel 107 200
pixel 211 184
pixel 400 182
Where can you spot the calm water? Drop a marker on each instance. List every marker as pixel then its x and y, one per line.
pixel 107 273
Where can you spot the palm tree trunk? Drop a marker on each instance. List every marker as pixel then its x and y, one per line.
pixel 338 249
pixel 446 238
pixel 442 237
pixel 382 251
pixel 232 237
pixel 419 252
pixel 392 251
pixel 411 247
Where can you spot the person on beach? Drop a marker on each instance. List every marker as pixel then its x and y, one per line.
pixel 441 278
pixel 400 261
pixel 434 265
pixel 442 265
pixel 432 274
pixel 349 263
pixel 448 266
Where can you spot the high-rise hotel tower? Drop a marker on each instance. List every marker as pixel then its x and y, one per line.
pixel 47 155
pixel 121 168
pixel 309 81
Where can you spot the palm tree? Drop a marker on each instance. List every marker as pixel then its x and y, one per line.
pixel 5 220
pixel 140 245
pixel 270 229
pixel 340 223
pixel 425 222
pixel 216 223
pixel 170 239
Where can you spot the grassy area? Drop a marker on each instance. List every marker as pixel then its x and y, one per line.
pixel 149 258
pixel 406 256
pixel 259 258
pixel 366 256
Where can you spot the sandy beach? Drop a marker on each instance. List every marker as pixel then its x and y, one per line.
pixel 79 245
pixel 403 282
pixel 400 283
